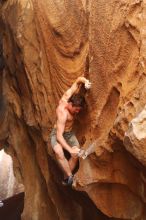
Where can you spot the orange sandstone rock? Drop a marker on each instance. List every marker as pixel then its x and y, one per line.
pixel 46 46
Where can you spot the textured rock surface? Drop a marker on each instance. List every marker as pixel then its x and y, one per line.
pixel 46 46
pixel 135 137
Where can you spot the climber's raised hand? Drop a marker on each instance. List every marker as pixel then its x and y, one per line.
pixel 85 81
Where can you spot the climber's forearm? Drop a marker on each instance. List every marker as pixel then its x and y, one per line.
pixel 73 88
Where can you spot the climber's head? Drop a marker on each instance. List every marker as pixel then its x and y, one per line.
pixel 76 103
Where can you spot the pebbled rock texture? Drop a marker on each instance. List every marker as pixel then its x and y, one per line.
pixel 45 46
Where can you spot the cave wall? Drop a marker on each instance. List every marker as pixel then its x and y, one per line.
pixel 46 46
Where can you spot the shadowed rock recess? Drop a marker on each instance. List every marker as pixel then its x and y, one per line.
pixel 44 46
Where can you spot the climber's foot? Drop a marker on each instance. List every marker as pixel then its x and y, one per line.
pixel 68 181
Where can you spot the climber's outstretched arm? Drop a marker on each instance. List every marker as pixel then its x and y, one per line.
pixel 75 86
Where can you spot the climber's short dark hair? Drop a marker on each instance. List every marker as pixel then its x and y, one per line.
pixel 77 100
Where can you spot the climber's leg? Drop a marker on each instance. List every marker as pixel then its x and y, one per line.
pixel 72 163
pixel 63 162
pixel 67 166
pixel 73 141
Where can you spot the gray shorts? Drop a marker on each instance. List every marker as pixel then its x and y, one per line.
pixel 69 136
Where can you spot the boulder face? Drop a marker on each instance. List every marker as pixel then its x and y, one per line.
pixel 8 184
pixel 45 46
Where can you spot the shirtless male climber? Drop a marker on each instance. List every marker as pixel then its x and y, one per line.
pixel 62 136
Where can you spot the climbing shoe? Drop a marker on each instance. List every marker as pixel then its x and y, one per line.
pixel 68 181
